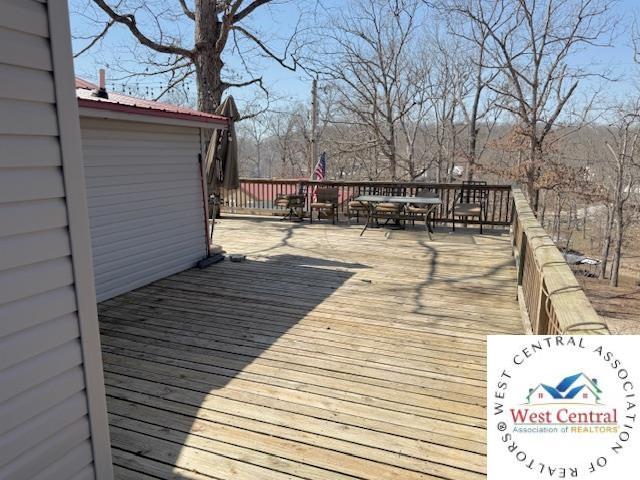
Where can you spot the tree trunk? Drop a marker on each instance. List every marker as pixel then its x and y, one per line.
pixel 393 154
pixel 556 220
pixel 473 118
pixel 471 150
pixel 393 163
pixel 543 210
pixel 606 243
pixel 534 156
pixel 452 152
pixel 617 249
pixel 531 192
pixel 208 62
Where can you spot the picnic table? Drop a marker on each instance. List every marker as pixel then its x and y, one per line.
pixel 372 201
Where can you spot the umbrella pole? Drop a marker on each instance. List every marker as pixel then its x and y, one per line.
pixel 214 215
pixel 214 257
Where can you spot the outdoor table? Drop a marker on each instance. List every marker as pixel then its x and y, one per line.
pixel 373 200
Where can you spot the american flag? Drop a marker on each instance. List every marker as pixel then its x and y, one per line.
pixel 320 173
pixel 321 167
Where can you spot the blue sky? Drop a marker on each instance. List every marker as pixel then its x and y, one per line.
pixel 278 21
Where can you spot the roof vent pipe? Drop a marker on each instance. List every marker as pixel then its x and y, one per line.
pixel 101 92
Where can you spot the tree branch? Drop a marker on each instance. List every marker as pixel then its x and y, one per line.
pixel 95 39
pixel 186 10
pixel 173 83
pixel 247 83
pixel 238 17
pixel 265 49
pixel 129 20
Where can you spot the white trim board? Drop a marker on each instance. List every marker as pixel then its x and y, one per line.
pixel 70 145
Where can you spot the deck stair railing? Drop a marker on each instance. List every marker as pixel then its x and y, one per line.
pixel 548 292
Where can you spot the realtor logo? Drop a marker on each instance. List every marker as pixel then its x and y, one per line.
pixel 578 388
pixel 563 407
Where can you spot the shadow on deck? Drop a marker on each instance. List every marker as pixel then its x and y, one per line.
pixel 325 355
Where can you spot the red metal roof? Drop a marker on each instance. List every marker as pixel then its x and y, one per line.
pixel 123 103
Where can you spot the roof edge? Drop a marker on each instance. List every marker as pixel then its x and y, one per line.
pixel 117 107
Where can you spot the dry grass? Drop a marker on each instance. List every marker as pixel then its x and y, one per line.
pixel 620 306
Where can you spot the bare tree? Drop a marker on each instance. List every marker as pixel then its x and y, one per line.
pixel 216 25
pixel 476 102
pixel 623 145
pixel 257 160
pixel 446 91
pixel 529 44
pixel 371 58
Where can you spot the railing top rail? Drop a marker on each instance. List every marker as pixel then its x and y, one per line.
pixel 356 183
pixel 574 313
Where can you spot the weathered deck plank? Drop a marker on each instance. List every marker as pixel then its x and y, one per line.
pixel 323 356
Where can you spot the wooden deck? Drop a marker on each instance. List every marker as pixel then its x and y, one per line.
pixel 323 356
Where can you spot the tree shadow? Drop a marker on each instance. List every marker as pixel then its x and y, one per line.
pixel 462 282
pixel 184 354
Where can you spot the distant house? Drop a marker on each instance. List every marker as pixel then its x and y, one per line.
pixel 145 191
pixel 457 170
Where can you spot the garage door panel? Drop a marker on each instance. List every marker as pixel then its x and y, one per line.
pixel 145 265
pixel 111 219
pixel 112 204
pixel 147 268
pixel 110 190
pixel 134 248
pixel 131 282
pixel 136 179
pixel 136 227
pixel 142 156
pixel 135 170
pixel 112 236
pixel 144 192
pixel 145 134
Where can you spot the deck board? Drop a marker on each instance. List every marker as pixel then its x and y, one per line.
pixel 324 355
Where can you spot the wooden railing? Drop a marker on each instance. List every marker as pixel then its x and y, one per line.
pixel 548 291
pixel 256 196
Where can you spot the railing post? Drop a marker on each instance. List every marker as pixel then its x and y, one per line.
pixel 542 319
pixel 521 254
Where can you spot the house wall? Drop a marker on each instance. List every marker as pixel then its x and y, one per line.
pixel 145 201
pixel 53 421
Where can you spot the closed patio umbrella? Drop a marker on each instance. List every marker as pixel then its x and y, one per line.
pixel 222 153
pixel 222 158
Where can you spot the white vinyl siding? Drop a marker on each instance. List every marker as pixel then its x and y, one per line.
pixel 144 193
pixel 50 412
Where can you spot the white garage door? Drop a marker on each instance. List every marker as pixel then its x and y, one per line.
pixel 145 202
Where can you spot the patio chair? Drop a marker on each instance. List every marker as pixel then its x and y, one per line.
pixel 293 203
pixel 390 210
pixel 326 202
pixel 471 202
pixel 357 207
pixel 420 210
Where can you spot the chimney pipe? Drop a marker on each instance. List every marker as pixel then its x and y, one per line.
pixel 101 92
